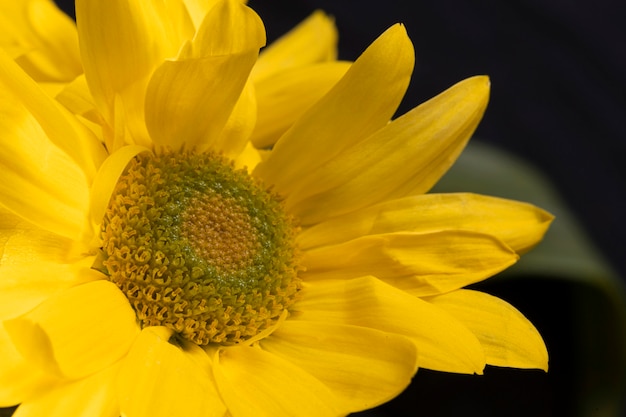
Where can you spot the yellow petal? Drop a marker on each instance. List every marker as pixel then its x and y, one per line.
pixel 43 37
pixel 200 90
pixel 236 133
pixel 106 180
pixel 314 40
pixel 364 367
pixel 61 128
pixel 159 379
pixel 442 342
pixel 38 180
pixel 93 396
pixel 75 96
pixel 519 225
pixel 19 380
pixel 426 263
pixel 362 102
pixel 253 382
pixel 78 332
pixel 24 286
pixel 408 156
pixel 122 42
pixel 198 9
pixel 286 95
pixel 507 337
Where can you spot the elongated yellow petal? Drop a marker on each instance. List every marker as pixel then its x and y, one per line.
pixel 443 343
pixel 107 178
pixel 427 263
pixel 364 367
pixel 286 95
pixel 519 225
pixel 19 379
pixel 36 264
pixel 507 337
pixel 43 39
pixel 200 90
pixel 78 332
pixel 60 127
pixel 276 387
pixel 313 40
pixel 159 379
pixel 408 156
pixel 45 187
pixel 119 62
pixel 234 138
pixel 362 102
pixel 93 396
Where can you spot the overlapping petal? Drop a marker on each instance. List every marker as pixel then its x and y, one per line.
pixel 283 97
pixel 61 128
pixel 97 311
pixel 508 338
pixel 363 366
pixel 313 41
pixel 41 38
pixel 361 103
pixel 19 379
pixel 118 63
pixel 47 187
pixel 276 387
pixel 427 263
pixel 159 379
pixel 408 156
pixel 93 396
pixel 443 343
pixel 519 225
pixel 200 89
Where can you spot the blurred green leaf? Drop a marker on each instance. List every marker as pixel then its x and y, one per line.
pixel 565 254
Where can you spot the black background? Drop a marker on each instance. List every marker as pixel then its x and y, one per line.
pixel 558 72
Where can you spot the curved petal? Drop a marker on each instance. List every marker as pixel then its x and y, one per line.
pixel 408 156
pixel 122 42
pixel 519 225
pixel 159 379
pixel 42 38
pixel 78 332
pixel 38 180
pixel 61 128
pixel 201 88
pixel 93 396
pixel 507 337
pixel 287 95
pixel 275 387
pixel 19 380
pixel 426 263
pixel 314 40
pixel 106 180
pixel 234 138
pixel 443 343
pixel 364 367
pixel 362 102
pixel 36 264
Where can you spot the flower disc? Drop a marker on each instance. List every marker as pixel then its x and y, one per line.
pixel 199 247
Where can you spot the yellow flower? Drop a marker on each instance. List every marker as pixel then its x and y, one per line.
pixel 154 263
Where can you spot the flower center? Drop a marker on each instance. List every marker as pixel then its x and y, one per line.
pixel 199 247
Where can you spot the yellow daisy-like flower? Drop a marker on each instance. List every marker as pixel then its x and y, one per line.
pixel 154 263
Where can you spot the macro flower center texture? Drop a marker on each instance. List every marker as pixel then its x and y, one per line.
pixel 199 247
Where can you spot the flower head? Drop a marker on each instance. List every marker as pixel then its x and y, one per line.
pixel 191 229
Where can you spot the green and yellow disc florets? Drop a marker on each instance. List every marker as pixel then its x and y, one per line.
pixel 199 247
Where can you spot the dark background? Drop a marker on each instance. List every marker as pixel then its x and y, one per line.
pixel 558 72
